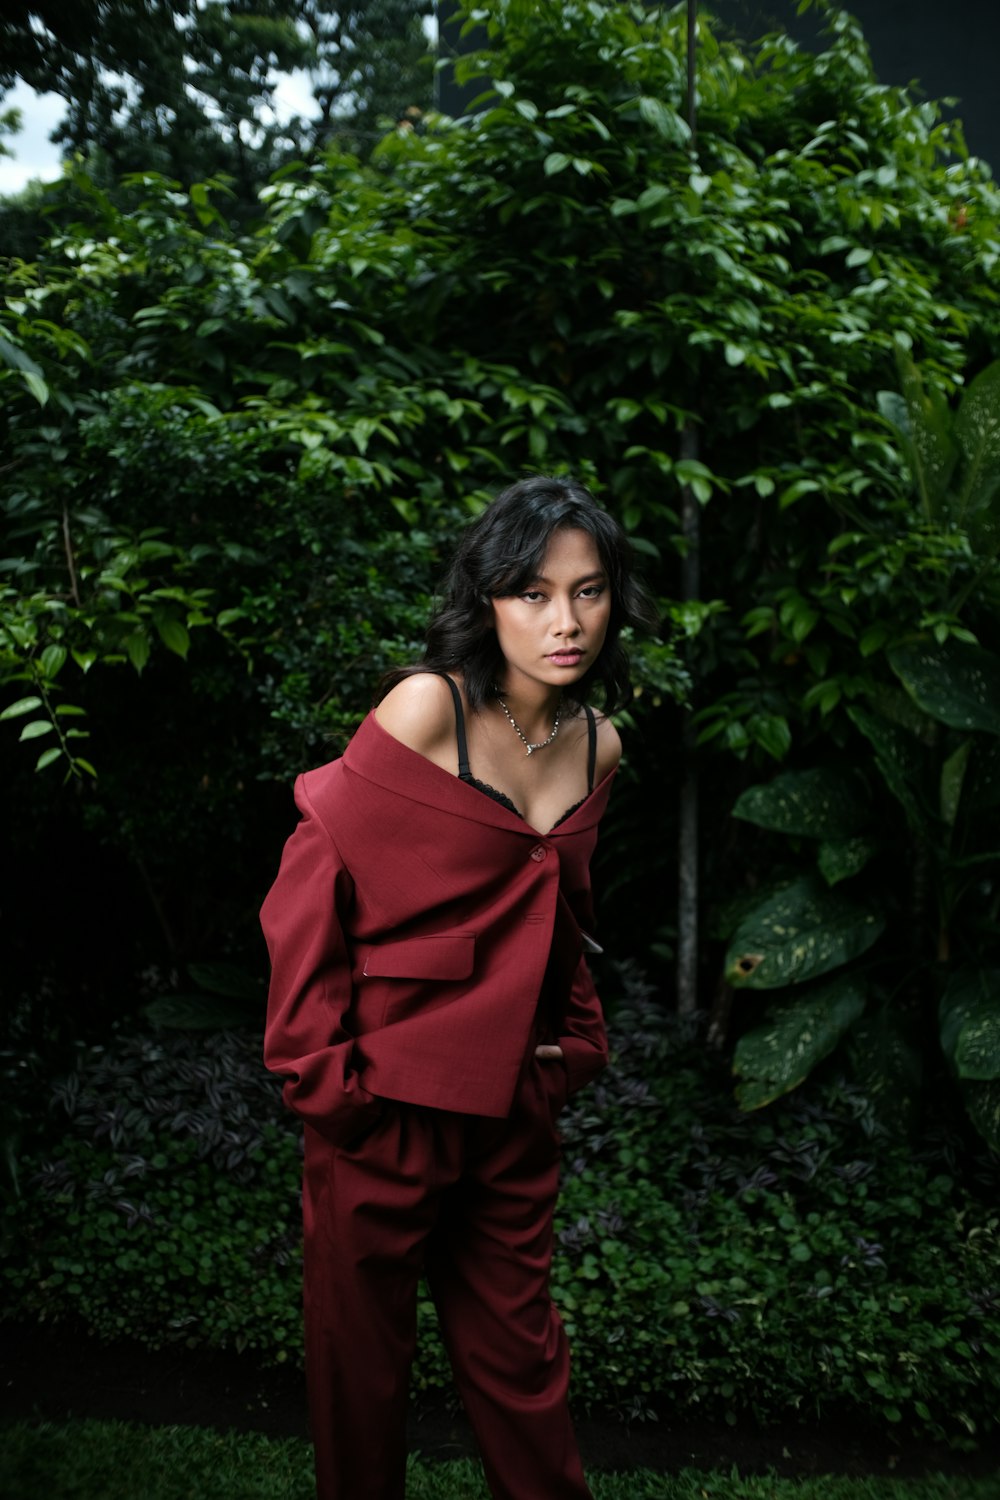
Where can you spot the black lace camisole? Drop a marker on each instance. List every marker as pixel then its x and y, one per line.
pixel 465 773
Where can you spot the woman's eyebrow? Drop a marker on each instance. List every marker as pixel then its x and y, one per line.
pixel 599 577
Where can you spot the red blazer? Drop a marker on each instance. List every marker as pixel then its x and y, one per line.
pixel 410 928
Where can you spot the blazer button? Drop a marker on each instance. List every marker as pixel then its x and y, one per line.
pixel 539 852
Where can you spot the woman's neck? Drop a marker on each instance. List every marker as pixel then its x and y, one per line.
pixel 533 706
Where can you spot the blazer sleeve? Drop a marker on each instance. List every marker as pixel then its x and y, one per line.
pixel 583 1039
pixel 305 1038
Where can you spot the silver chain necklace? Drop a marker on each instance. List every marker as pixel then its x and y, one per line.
pixel 539 744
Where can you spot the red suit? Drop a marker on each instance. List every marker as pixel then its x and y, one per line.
pixel 412 927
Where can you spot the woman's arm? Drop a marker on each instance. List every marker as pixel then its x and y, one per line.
pixel 305 1040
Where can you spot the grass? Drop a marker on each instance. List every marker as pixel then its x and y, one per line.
pixel 124 1461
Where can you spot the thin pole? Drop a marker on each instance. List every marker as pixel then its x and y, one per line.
pixel 688 805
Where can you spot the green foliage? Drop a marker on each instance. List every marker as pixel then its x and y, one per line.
pixel 942 800
pixel 559 282
pixel 800 1032
pixel 797 932
pixel 955 682
pixel 970 1024
pixel 818 804
pixel 183 1263
pixel 793 1260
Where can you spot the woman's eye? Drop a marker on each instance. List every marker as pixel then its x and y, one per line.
pixel 592 591
pixel 532 595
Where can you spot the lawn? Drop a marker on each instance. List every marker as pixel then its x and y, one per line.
pixel 123 1461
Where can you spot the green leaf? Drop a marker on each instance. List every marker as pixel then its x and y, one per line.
pixel 955 682
pixel 888 1064
pixel 952 780
pixel 36 729
pixel 796 491
pixel 227 617
pixel 666 122
pixel 771 732
pixel 138 647
pixel 52 660
pixel 982 1103
pixel 556 161
pixel 981 788
pixel 22 706
pixel 797 933
pixel 969 1017
pixel 822 803
pixel 900 761
pixel 839 859
pixel 926 437
pixel 15 358
pixel 977 1054
pixel 977 430
pixel 47 757
pixel 38 387
pixel 173 634
pixel 798 1033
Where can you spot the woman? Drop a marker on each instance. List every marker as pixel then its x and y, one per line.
pixel 430 1005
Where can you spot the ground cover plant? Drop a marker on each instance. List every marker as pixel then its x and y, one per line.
pixel 789 1263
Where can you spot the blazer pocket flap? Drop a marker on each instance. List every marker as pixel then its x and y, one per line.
pixel 439 956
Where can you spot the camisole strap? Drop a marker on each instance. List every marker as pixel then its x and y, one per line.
pixel 464 772
pixel 591 746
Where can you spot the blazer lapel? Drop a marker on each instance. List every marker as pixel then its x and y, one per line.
pixel 377 756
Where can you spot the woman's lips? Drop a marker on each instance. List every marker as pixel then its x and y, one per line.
pixel 564 658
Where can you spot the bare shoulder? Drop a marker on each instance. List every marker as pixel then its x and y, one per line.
pixel 420 713
pixel 609 746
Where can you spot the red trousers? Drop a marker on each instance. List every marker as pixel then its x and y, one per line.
pixel 466 1201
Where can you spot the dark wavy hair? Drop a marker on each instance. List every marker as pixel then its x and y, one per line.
pixel 499 555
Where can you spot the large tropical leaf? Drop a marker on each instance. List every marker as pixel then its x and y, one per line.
pixel 900 761
pixel 982 1102
pixel 956 682
pixel 923 424
pixel 887 1063
pixel 952 781
pixel 982 782
pixel 798 1033
pixel 822 803
pixel 797 934
pixel 969 1016
pixel 977 431
pixel 839 859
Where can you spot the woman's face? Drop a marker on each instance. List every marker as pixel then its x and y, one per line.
pixel 553 630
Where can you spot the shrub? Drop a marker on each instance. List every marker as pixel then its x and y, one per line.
pixel 779 1263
